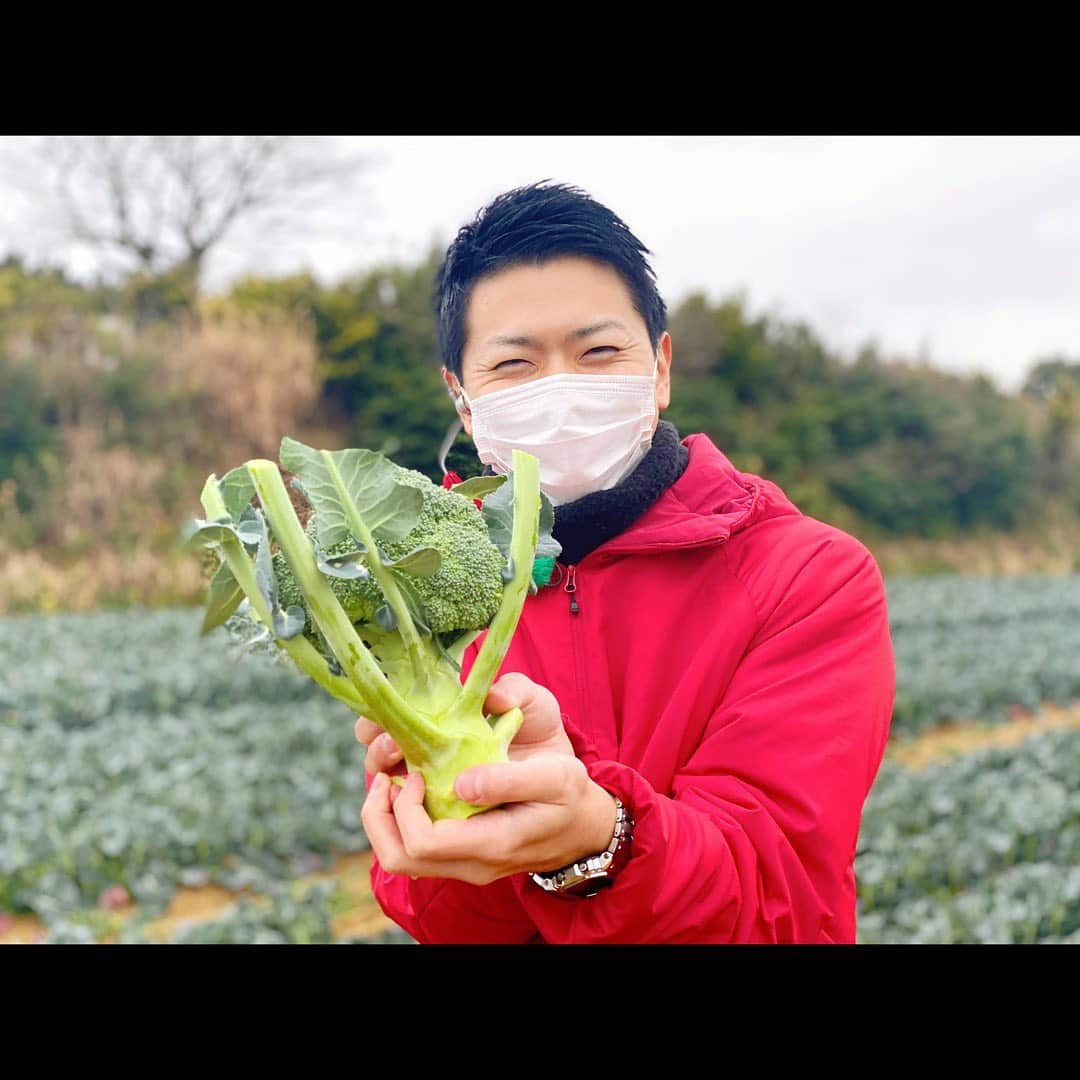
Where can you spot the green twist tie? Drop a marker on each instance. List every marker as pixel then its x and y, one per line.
pixel 542 569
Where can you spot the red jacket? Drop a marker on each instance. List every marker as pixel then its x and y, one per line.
pixel 729 675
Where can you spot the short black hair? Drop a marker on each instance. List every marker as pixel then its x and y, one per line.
pixel 534 224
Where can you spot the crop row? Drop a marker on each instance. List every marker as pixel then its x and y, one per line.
pixel 965 648
pixel 80 669
pixel 985 847
pixel 134 752
pixel 286 915
pixel 241 796
pixel 972 647
pixel 952 599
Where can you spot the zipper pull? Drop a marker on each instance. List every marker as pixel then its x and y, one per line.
pixel 571 588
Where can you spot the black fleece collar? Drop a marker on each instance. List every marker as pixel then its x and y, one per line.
pixel 583 525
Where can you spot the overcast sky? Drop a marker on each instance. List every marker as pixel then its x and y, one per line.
pixel 963 250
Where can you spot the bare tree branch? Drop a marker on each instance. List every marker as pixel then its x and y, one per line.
pixel 165 201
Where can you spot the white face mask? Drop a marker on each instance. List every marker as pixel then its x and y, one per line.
pixel 589 432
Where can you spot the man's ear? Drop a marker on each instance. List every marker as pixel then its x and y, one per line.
pixel 663 372
pixel 454 389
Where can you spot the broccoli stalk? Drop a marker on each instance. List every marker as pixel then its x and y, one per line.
pixel 407 682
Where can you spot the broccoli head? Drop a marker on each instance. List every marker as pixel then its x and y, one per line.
pixel 463 594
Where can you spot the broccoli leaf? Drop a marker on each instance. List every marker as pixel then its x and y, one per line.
pixel 498 511
pixel 479 487
pixel 547 546
pixel 416 608
pixel 421 562
pixel 349 566
pixel 236 490
pixel 287 624
pixel 220 531
pixel 224 598
pixel 248 527
pixel 367 487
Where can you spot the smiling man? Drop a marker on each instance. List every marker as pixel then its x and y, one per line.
pixel 707 677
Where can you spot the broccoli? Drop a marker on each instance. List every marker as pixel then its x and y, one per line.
pixel 377 597
pixel 463 593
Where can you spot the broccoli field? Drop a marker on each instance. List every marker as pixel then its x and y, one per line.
pixel 154 788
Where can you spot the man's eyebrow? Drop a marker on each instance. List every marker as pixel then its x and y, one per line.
pixel 581 332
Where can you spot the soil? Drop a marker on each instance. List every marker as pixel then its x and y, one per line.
pixel 191 906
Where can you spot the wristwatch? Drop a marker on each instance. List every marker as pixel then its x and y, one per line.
pixel 588 876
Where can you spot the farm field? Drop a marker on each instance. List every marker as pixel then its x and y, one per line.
pixel 154 787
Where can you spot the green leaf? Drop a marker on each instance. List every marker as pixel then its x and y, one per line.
pixel 349 566
pixel 421 562
pixel 417 612
pixel 264 567
pixel 547 547
pixel 479 487
pixel 202 533
pixel 368 488
pixel 237 490
pixel 287 624
pixel 498 511
pixel 248 528
pixel 385 618
pixel 223 599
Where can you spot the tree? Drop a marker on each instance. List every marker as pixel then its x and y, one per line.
pixel 1054 383
pixel 154 207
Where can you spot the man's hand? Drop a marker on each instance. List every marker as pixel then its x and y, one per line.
pixel 555 815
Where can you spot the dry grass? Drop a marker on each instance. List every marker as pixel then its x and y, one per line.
pixel 29 582
pixel 255 376
pixel 1053 549
pixel 107 492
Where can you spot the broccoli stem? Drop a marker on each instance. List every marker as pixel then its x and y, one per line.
pixel 303 653
pixel 383 577
pixel 414 733
pixel 523 542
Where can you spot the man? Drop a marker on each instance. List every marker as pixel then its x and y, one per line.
pixel 708 678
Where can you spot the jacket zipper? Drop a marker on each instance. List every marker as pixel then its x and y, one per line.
pixel 571 588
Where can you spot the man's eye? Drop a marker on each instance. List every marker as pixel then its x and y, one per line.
pixel 603 348
pixel 502 362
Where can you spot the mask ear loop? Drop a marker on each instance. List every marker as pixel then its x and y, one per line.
pixel 453 430
pixel 448 441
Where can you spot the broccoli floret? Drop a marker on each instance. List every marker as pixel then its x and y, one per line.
pixel 463 594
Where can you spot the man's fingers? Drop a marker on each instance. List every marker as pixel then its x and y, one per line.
pixel 550 778
pixel 384 755
pixel 415 826
pixel 380 826
pixel 538 703
pixel 366 730
pixel 512 689
pixel 443 846
pixel 383 830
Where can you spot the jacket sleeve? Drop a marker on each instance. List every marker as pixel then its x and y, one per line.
pixel 443 911
pixel 755 840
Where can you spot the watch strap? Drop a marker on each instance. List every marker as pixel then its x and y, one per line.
pixel 588 876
